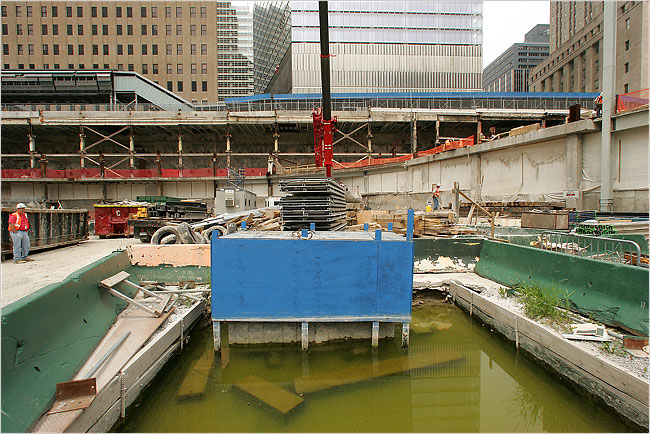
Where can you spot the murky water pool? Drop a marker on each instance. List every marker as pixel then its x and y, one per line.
pixel 491 388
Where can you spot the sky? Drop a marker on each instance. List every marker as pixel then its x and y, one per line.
pixel 506 22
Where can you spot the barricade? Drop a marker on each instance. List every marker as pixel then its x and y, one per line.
pixel 632 101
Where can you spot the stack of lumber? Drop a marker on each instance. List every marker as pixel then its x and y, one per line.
pixel 613 226
pixel 351 210
pixel 269 220
pixel 435 223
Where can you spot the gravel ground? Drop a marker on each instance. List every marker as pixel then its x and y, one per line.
pixel 490 290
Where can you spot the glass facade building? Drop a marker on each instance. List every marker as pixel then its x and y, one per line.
pixel 378 46
pixel 234 49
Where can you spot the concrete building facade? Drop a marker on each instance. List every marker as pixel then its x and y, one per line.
pixel 509 72
pixel 576 39
pixel 376 46
pixel 175 44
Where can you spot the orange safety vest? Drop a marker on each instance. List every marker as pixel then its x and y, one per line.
pixel 599 99
pixel 17 224
pixel 436 192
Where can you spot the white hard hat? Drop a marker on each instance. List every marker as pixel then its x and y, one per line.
pixel 438 185
pixel 21 205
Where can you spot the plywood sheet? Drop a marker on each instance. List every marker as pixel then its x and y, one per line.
pixel 271 394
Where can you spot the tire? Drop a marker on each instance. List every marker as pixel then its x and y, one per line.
pixel 163 232
pixel 200 239
pixel 232 227
pixel 185 232
pixel 169 239
pixel 207 233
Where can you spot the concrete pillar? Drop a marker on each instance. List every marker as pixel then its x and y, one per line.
pixel 609 101
pixel 479 130
pixel 276 138
pixel 414 134
pixel 216 335
pixel 32 150
pixel 180 151
pixel 589 68
pixel 574 169
pixel 577 73
pixel 82 148
pixel 437 130
pixel 228 149
pixel 475 167
pixel 369 135
pixel 555 81
pixel 131 149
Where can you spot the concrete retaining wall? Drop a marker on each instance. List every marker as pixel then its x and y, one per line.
pixel 47 336
pixel 613 293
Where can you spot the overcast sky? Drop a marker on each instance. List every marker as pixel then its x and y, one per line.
pixel 506 22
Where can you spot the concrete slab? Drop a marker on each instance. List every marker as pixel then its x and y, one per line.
pixel 178 255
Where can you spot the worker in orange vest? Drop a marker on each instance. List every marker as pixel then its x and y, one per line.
pixel 436 195
pixel 18 227
pixel 598 103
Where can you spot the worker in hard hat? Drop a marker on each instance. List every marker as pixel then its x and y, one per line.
pixel 598 105
pixel 436 195
pixel 18 227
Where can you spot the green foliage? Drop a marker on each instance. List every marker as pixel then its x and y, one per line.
pixel 615 347
pixel 540 303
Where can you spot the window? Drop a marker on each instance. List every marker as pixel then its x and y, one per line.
pixel 120 49
pixel 204 68
pixel 105 49
pixel 104 12
pixel 57 66
pixel 129 49
pixel 168 13
pixel 168 29
pixel 21 66
pixel 46 66
pixel 625 88
pixel 192 29
pixel 19 11
pixel 118 12
pixel 169 86
pixel 154 49
pixel 204 12
pixel 596 83
pixel 43 29
pixel 80 12
pixel 19 29
pixel 80 29
pixel 93 11
pixel 204 49
pixel 82 66
pixel 68 11
pixel 118 29
pixel 130 67
pixel 627 45
pixel 95 65
pixel 179 12
pixel 192 12
pixel 93 29
pixel 5 29
pixel 20 48
pixel 129 14
pixel 106 66
pixel 194 87
pixel 154 29
pixel 627 67
pixel 169 69
pixel 5 50
pixel 68 29
pixel 144 49
pixel 179 30
pixel 143 29
pixel 55 11
pixel 29 12
pixel 129 29
pixel 4 14
pixel 30 29
pixel 154 68
pixel 154 12
pixel 95 49
pixel 179 86
pixel 30 49
pixel 179 68
pixel 193 68
pixel 145 68
pixel 31 65
pixel 204 86
pixel 120 66
pixel 70 49
pixel 55 49
pixel 179 49
pixel 192 49
pixel 143 14
pixel 168 49
pixel 80 50
pixel 104 29
pixel 46 49
pixel 204 30
pixel 55 29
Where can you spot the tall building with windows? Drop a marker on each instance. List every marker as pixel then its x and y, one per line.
pixel 234 49
pixel 576 38
pixel 377 46
pixel 509 72
pixel 174 43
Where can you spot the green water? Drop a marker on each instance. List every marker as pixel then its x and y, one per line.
pixel 492 389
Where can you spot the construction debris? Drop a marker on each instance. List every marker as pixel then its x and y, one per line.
pixel 588 332
pixel 435 223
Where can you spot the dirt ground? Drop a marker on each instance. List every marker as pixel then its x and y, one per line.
pixel 51 266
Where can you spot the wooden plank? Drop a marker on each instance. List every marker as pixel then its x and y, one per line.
pixel 355 374
pixel 269 393
pixel 160 308
pixel 196 380
pixel 115 279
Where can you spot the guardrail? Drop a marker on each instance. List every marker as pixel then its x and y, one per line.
pixel 604 249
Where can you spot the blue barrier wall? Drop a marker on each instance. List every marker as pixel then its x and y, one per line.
pixel 311 280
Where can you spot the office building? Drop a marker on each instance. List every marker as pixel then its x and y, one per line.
pixel 174 44
pixel 234 50
pixel 509 72
pixel 576 39
pixel 376 46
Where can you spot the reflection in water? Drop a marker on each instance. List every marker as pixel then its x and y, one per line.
pixel 455 377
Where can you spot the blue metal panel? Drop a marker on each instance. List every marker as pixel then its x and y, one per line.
pixel 279 279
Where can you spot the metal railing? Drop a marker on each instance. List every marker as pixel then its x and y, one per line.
pixel 604 249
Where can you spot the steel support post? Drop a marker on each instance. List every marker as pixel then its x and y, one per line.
pixel 228 151
pixel 609 102
pixel 369 139
pixel 304 336
pixel 82 147
pixel 131 149
pixel 276 137
pixel 180 151
pixel 375 333
pixel 216 335
pixel 414 134
pixel 32 148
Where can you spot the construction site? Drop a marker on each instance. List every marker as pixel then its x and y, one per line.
pixel 403 262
